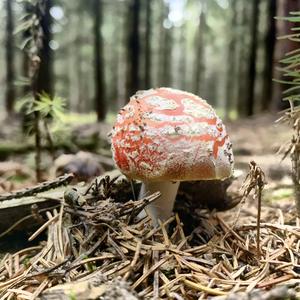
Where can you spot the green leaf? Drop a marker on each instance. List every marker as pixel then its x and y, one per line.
pixel 288 36
pixel 48 106
pixel 284 81
pixel 25 42
pixel 290 18
pixel 291 89
pixel 24 104
pixel 24 26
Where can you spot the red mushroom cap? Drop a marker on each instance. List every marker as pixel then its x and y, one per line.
pixel 167 134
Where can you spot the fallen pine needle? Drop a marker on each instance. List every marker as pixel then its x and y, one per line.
pixel 201 288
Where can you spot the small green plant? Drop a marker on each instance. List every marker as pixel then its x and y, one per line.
pixel 38 106
pixel 50 107
pixel 50 110
pixel 291 78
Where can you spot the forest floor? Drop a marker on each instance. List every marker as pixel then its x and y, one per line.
pixel 260 139
pixel 255 139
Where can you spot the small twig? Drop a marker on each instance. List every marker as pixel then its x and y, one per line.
pixel 43 187
pixel 255 180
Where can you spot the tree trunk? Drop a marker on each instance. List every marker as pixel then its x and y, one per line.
pixel 252 60
pixel 269 42
pixel 133 50
pixel 9 58
pixel 242 59
pixel 99 63
pixel 78 61
pixel 199 57
pixel 116 95
pixel 165 48
pixel 148 45
pixel 167 59
pixel 45 74
pixel 231 66
pixel 183 56
pixel 122 58
pixel 27 119
pixel 284 7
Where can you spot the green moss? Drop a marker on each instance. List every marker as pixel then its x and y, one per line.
pixel 282 193
pixel 18 178
pixel 278 194
pixel 77 119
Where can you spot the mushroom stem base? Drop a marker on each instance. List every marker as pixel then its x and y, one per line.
pixel 162 208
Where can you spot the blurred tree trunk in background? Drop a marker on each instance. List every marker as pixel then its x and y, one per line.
pixel 231 77
pixel 250 85
pixel 133 49
pixel 27 119
pixel 183 56
pixel 122 51
pixel 167 58
pixel 165 49
pixel 209 47
pixel 9 58
pixel 242 58
pixel 80 96
pixel 269 46
pixel 284 7
pixel 199 56
pixel 45 74
pixel 148 44
pixel 72 89
pixel 100 102
pixel 116 91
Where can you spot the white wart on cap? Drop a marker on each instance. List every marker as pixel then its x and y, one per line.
pixel 166 135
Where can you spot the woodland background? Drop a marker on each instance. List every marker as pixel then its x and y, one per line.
pixel 97 53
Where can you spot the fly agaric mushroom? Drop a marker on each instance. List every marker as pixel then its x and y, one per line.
pixel 164 136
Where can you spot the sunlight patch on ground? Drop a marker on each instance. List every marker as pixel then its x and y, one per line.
pixel 77 119
pixel 111 117
pixel 282 193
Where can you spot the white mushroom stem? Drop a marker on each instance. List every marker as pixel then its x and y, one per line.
pixel 160 209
